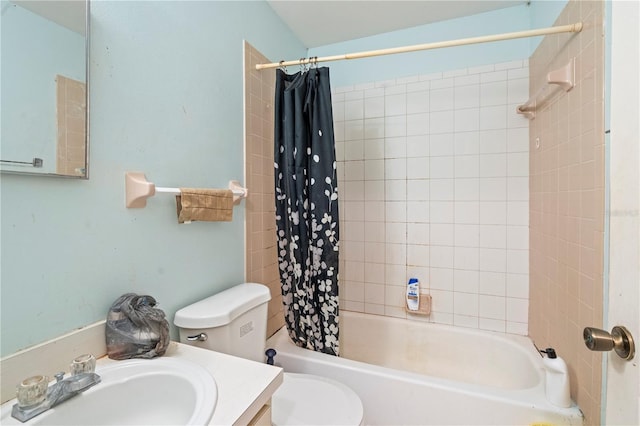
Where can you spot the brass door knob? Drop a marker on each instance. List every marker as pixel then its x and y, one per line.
pixel 619 340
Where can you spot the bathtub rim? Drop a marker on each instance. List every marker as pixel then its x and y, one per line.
pixel 522 344
pixel 281 339
pixel 532 397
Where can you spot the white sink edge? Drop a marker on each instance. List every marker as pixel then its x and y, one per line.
pixel 114 373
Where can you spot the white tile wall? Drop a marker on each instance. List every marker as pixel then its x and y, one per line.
pixel 434 184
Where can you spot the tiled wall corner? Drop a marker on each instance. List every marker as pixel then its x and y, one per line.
pixel 71 133
pixel 567 202
pixel 261 255
pixel 433 173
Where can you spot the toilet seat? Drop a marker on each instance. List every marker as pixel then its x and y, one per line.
pixel 305 399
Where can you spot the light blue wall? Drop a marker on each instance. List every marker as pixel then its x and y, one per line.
pixel 350 72
pixel 543 13
pixel 34 51
pixel 165 99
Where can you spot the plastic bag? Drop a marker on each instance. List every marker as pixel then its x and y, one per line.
pixel 135 328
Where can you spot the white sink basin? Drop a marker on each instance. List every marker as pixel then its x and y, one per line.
pixel 159 391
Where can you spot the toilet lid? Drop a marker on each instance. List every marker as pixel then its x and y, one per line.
pixel 304 399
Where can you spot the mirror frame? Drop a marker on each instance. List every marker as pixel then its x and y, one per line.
pixel 87 115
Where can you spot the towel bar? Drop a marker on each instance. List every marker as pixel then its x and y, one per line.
pixel 563 77
pixel 138 189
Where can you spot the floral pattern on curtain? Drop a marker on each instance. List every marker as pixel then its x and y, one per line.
pixel 306 196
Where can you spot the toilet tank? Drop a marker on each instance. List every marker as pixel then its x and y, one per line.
pixel 234 321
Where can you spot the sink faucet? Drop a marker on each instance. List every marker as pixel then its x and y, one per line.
pixel 57 393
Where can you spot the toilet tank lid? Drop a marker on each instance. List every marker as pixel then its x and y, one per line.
pixel 222 308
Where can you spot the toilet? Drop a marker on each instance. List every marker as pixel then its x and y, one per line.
pixel 234 322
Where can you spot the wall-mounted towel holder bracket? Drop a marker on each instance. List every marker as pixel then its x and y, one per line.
pixel 563 77
pixel 138 189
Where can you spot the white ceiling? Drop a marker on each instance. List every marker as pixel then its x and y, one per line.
pixel 320 22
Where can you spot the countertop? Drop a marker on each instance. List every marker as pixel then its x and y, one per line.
pixel 244 386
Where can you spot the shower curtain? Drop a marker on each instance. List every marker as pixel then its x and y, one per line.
pixel 306 195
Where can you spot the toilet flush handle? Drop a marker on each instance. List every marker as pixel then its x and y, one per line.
pixel 202 337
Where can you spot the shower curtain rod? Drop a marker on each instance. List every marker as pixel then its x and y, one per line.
pixel 571 28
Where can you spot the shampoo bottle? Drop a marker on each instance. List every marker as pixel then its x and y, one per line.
pixel 413 294
pixel 557 379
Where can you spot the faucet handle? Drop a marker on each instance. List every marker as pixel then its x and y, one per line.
pixel 32 391
pixel 83 364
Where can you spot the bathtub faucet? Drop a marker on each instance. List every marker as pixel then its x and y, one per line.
pixel 57 393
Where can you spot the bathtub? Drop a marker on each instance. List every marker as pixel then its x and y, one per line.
pixel 414 372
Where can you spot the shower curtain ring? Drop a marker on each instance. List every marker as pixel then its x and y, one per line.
pixel 282 66
pixel 303 67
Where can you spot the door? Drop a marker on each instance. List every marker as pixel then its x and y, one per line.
pixel 622 384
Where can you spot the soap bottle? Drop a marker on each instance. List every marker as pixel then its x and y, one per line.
pixel 413 294
pixel 557 379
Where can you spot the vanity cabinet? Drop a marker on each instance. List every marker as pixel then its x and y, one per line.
pixel 263 418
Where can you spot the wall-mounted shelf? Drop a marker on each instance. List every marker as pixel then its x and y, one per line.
pixel 138 189
pixel 563 78
pixel 424 307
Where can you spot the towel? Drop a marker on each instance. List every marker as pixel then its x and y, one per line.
pixel 212 205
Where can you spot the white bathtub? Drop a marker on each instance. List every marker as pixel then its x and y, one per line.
pixel 411 372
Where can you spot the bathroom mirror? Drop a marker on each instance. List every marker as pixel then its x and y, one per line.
pixel 44 88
